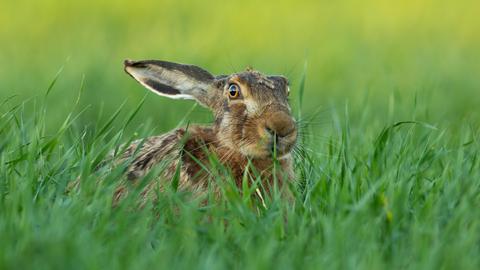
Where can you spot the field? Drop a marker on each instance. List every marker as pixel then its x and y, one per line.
pixel 387 95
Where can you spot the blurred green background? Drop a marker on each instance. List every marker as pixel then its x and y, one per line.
pixel 389 55
pixel 372 194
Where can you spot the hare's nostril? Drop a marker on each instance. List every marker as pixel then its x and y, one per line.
pixel 270 131
pixel 281 124
pixel 273 134
pixel 278 135
pixel 280 131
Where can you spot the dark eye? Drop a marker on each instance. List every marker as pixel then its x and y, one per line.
pixel 233 90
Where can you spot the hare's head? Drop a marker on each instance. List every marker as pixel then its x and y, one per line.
pixel 252 114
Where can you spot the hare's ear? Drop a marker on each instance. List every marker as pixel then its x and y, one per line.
pixel 172 80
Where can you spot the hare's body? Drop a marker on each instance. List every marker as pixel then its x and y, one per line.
pixel 253 127
pixel 186 153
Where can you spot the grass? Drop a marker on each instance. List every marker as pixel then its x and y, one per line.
pixel 388 164
pixel 401 197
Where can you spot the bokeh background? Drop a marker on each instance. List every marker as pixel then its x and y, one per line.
pixel 389 56
pixel 371 193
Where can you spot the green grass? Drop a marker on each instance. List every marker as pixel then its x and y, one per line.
pixel 402 196
pixel 387 97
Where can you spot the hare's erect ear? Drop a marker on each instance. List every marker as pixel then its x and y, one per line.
pixel 171 79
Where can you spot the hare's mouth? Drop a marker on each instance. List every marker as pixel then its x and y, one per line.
pixel 268 144
pixel 280 147
pixel 269 148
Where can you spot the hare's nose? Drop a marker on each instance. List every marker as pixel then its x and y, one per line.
pixel 281 124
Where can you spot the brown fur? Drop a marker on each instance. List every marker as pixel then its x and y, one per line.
pixel 248 128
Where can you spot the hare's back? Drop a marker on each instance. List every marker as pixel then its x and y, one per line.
pixel 162 151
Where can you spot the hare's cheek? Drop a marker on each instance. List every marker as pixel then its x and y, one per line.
pixel 251 107
pixel 263 136
pixel 237 116
pixel 255 150
pixel 237 109
pixel 230 130
pixel 250 131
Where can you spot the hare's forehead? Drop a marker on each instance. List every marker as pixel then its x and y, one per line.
pixel 255 79
pixel 259 91
pixel 260 86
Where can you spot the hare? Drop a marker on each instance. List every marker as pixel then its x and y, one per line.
pixel 253 122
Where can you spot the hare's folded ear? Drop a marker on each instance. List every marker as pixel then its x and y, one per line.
pixel 171 79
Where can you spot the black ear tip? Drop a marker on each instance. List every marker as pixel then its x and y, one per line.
pixel 128 62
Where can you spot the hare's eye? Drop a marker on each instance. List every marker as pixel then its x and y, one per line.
pixel 233 90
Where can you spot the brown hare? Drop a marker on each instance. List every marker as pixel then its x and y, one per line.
pixel 253 121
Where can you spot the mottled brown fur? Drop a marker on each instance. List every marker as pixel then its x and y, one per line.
pixel 248 129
